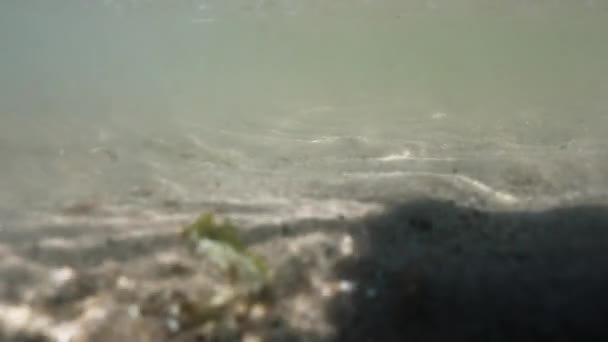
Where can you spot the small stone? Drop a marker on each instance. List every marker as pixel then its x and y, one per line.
pixel 173 325
pixel 61 276
pixel 249 337
pixel 347 245
pixel 124 283
pixel 240 309
pixel 133 311
pixel 327 291
pixel 257 312
pixel 346 286
pixel 222 297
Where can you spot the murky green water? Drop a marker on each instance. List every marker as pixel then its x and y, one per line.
pixel 154 103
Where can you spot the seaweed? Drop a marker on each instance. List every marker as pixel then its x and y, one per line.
pixel 207 227
pixel 222 241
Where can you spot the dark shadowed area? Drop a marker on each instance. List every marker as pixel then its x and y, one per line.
pixel 443 272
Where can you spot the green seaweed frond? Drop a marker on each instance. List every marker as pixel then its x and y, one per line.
pixel 206 227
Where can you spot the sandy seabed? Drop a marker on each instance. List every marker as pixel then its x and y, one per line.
pixel 415 269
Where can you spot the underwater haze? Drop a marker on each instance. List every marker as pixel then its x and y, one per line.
pixel 311 107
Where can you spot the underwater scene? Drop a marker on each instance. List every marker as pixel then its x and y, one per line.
pixel 303 170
